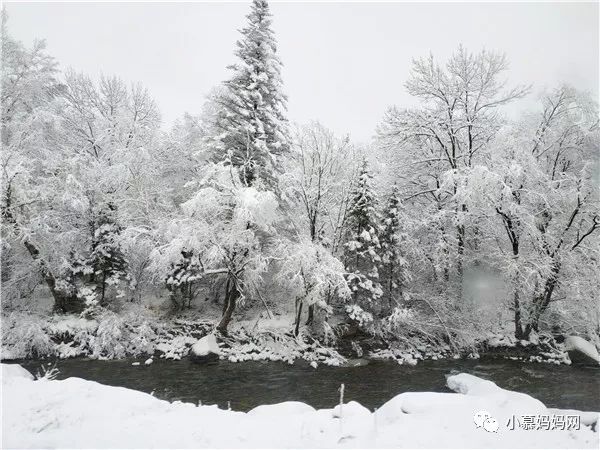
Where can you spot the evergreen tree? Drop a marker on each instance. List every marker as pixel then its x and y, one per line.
pixel 362 245
pixel 250 128
pixel 107 259
pixel 183 279
pixel 393 264
pixel 104 267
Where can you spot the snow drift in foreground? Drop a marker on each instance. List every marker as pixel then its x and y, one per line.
pixel 76 413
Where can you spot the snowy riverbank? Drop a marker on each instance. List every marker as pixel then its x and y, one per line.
pixel 76 413
pixel 138 333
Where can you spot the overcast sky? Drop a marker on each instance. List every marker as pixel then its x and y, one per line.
pixel 344 63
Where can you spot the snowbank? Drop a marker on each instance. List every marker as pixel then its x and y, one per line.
pixel 588 418
pixel 14 372
pixel 76 413
pixel 581 351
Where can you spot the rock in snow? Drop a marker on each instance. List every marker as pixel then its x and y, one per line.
pixel 205 349
pixel 581 351
pixel 76 413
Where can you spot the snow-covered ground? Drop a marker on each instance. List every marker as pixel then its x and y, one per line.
pixel 75 413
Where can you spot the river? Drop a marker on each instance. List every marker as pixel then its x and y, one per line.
pixel 245 385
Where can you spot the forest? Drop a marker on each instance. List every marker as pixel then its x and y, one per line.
pixel 453 225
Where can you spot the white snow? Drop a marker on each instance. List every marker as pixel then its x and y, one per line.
pixel 282 409
pixel 586 417
pixel 506 402
pixel 76 413
pixel 148 361
pixel 205 346
pixel 176 347
pixel 465 383
pixel 578 343
pixel 14 372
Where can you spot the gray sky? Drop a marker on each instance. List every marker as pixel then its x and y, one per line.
pixel 344 63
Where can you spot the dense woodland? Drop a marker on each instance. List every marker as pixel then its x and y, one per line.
pixel 452 222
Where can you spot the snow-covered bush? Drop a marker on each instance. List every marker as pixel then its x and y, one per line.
pixel 142 339
pixel 360 316
pixel 399 316
pixel 24 336
pixel 110 338
pixel 118 336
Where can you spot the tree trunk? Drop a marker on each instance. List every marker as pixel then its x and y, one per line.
pixel 461 251
pixel 542 301
pixel 513 237
pixel 446 255
pixel 227 293
pixel 62 303
pixel 103 291
pixel 298 314
pixel 230 302
pixel 311 315
pixel 519 334
pixel 460 260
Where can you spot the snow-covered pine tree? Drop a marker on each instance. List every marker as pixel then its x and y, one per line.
pixel 362 246
pixel 183 279
pixel 107 259
pixel 393 264
pixel 99 277
pixel 250 128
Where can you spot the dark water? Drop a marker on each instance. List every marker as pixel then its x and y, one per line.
pixel 249 384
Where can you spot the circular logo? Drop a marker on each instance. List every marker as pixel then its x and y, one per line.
pixel 480 417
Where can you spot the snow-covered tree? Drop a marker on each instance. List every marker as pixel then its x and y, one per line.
pixel 74 150
pixel 393 266
pixel 184 153
pixel 250 128
pixel 316 186
pixel 554 211
pixel 182 279
pixel 313 275
pixel 538 185
pixel 107 132
pixel 431 147
pixel 488 222
pixel 223 230
pixel 29 86
pixel 106 260
pixel 362 247
pixel 318 179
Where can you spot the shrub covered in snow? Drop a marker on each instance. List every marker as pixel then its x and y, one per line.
pixel 360 316
pixel 25 336
pixel 109 335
